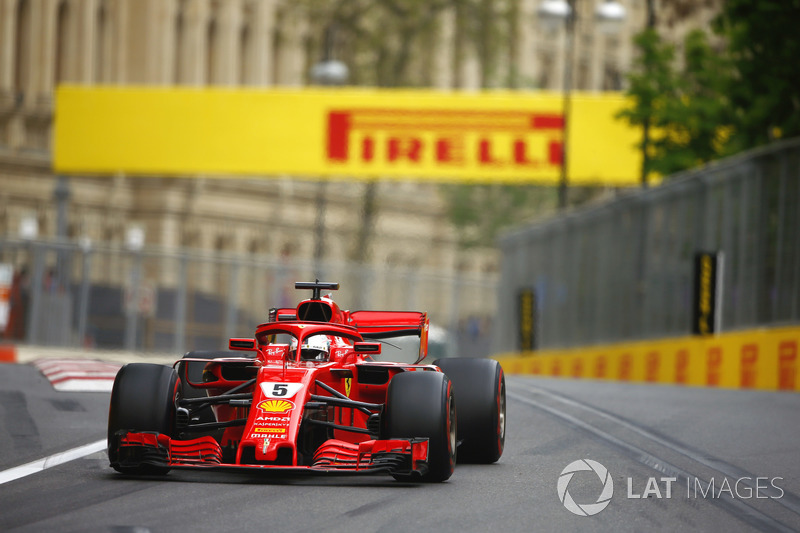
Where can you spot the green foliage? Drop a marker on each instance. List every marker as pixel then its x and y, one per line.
pixel 652 84
pixel 764 45
pixel 686 110
pixel 699 114
pixel 479 212
pixel 388 43
pixel 723 101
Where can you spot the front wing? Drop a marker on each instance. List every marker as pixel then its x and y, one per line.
pixel 391 456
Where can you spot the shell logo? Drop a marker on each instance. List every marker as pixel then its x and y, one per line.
pixel 276 406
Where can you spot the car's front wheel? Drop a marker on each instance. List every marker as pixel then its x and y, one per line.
pixel 421 404
pixel 143 399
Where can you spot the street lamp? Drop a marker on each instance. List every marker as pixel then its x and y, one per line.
pixel 552 13
pixel 134 242
pixel 610 16
pixel 29 227
pixel 328 72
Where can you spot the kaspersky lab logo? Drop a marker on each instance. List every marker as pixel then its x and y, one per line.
pixel 585 509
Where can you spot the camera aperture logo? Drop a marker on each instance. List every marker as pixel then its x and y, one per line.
pixel 743 488
pixel 585 509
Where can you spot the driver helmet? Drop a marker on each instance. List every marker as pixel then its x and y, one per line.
pixel 315 349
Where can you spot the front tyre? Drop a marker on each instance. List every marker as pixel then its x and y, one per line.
pixel 421 404
pixel 480 389
pixel 143 399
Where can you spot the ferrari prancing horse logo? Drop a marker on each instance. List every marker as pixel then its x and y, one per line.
pixel 347 383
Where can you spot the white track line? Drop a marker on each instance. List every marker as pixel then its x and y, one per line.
pixel 54 460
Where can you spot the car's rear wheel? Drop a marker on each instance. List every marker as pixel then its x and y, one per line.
pixel 143 398
pixel 480 389
pixel 421 404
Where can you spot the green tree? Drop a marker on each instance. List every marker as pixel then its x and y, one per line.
pixel 479 212
pixel 722 101
pixel 652 84
pixel 764 46
pixel 388 43
pixel 685 110
pixel 696 117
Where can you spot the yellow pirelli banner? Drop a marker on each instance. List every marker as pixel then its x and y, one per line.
pixel 758 359
pixel 486 137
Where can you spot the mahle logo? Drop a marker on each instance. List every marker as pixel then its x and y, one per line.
pixel 585 509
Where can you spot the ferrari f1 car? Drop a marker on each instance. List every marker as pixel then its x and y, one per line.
pixel 311 394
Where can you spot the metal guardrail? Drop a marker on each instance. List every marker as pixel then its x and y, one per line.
pixel 623 270
pixel 69 294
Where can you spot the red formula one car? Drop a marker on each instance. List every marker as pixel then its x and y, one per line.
pixel 311 394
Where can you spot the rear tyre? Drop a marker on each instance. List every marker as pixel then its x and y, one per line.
pixel 143 399
pixel 480 389
pixel 421 404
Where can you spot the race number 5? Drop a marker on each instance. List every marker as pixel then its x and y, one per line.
pixel 280 390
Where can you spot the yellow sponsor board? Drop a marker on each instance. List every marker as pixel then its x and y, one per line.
pixel 767 359
pixel 481 137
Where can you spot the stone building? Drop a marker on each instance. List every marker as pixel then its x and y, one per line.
pixel 260 43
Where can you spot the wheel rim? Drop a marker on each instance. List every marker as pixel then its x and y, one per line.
pixel 502 414
pixel 452 425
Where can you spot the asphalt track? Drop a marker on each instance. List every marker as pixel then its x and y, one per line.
pixel 637 432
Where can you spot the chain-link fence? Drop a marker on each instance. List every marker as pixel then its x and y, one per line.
pixel 624 270
pixel 73 294
pixel 617 271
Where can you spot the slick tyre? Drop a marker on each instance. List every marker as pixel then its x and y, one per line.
pixel 480 390
pixel 421 404
pixel 142 399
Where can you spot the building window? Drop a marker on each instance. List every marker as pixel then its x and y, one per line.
pixel 211 43
pixel 582 83
pixel 258 246
pixel 63 43
pixel 221 277
pixel 22 57
pixel 545 70
pixel 190 238
pixel 178 66
pixel 101 48
pixel 244 55
pixel 277 45
pixel 612 79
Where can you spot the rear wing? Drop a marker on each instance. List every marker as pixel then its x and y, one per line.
pixel 389 324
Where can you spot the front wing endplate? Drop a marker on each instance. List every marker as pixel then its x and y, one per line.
pixel 392 456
